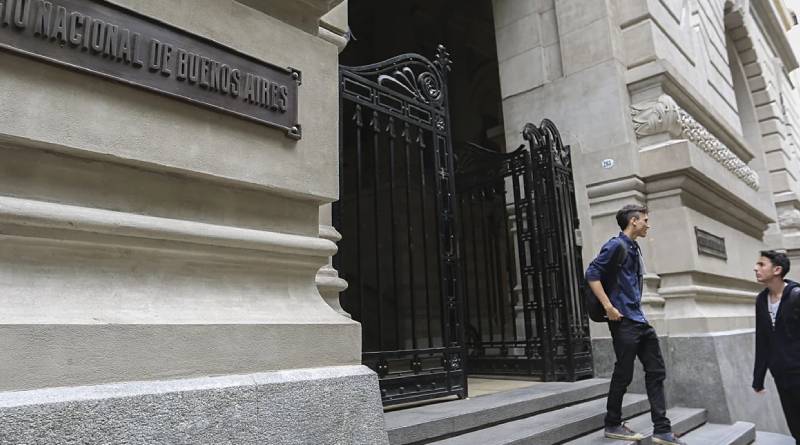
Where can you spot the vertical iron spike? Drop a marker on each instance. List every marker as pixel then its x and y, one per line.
pixel 390 128
pixel 406 134
pixel 420 138
pixel 442 58
pixel 375 123
pixel 357 116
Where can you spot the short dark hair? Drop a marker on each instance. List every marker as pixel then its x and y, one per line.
pixel 627 212
pixel 777 259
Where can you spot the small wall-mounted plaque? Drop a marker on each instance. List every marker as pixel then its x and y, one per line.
pixel 107 40
pixel 708 244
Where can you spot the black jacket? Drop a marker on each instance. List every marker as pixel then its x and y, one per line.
pixel 778 348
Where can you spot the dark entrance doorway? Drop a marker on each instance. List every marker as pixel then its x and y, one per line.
pixel 459 260
pixel 398 256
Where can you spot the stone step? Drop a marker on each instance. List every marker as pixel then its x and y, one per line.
pixel 765 438
pixel 428 422
pixel 740 433
pixel 683 420
pixel 550 427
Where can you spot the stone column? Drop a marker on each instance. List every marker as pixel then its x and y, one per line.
pixel 328 281
pixel 158 275
pixel 333 28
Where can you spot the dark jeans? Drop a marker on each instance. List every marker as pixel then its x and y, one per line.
pixel 631 340
pixel 790 400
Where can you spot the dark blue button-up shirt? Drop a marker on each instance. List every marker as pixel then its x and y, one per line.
pixel 627 296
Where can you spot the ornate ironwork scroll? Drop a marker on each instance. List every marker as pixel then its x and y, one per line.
pixel 666 116
pixel 396 216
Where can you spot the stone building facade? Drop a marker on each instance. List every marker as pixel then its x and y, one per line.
pixel 689 108
pixel 163 262
pixel 160 257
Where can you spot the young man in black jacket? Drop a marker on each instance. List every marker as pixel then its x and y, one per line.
pixel 631 334
pixel 778 335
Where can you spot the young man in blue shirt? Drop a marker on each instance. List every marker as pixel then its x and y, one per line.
pixel 632 335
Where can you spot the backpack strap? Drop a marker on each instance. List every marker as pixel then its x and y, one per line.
pixel 792 317
pixel 618 259
pixel 794 302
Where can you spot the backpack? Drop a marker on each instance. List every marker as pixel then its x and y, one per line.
pixel 593 306
pixel 792 319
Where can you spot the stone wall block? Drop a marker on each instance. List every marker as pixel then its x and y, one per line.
pixel 326 406
pixel 507 12
pixel 748 56
pixel 627 11
pixel 738 33
pixel 586 47
pixel 782 182
pixel 769 111
pixel 549 27
pixel 752 69
pixel 574 15
pixel 552 55
pixel 771 126
pixel 764 96
pixel 743 44
pixel 523 72
pixel 773 142
pixel 776 160
pixel 544 5
pixel 519 36
pixel 757 83
pixel 639 43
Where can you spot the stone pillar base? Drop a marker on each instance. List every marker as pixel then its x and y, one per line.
pixel 711 371
pixel 332 405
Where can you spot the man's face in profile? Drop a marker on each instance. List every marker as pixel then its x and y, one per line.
pixel 765 270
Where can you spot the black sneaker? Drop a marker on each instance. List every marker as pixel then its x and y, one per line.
pixel 622 432
pixel 667 439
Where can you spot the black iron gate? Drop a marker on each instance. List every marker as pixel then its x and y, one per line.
pixel 521 260
pixel 396 215
pixel 558 253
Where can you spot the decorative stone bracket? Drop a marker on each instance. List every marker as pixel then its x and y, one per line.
pixel 790 220
pixel 665 116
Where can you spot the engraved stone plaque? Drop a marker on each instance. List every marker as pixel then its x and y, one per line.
pixel 109 41
pixel 708 244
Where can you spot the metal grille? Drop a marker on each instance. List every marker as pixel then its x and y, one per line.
pixel 558 253
pixel 396 215
pixel 521 260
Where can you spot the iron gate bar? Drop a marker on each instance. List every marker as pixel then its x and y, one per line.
pixel 511 274
pixel 408 91
pixel 375 128
pixel 420 142
pixel 359 125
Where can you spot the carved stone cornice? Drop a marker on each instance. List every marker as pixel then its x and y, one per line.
pixel 666 116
